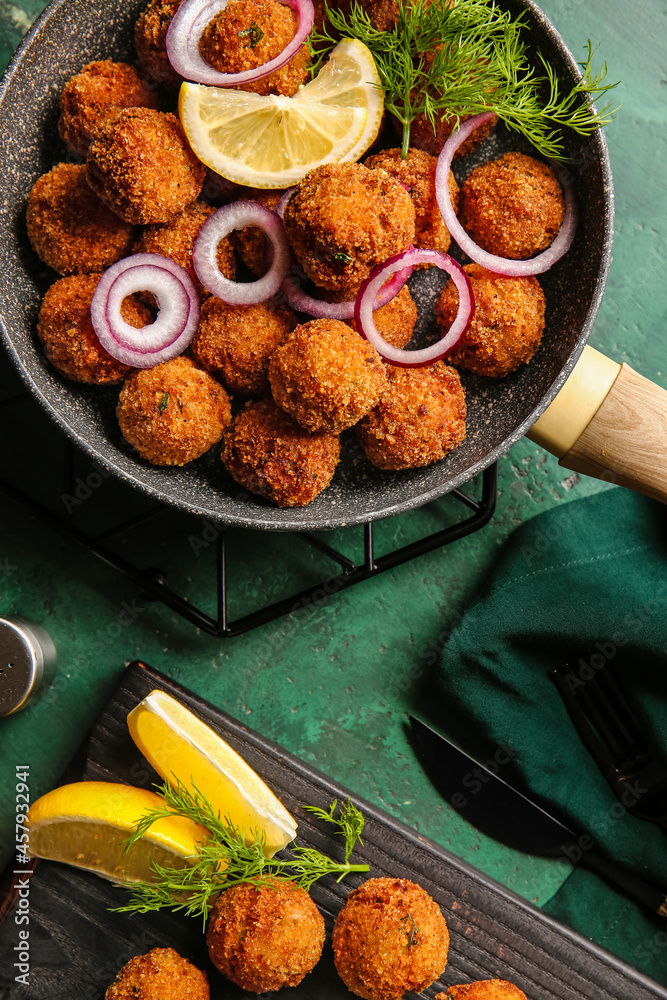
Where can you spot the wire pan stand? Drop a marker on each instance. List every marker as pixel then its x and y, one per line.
pixel 153 582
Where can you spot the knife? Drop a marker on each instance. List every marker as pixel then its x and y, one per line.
pixel 502 812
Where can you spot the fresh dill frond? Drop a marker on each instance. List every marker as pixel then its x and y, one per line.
pixel 228 857
pixel 467 59
pixel 349 819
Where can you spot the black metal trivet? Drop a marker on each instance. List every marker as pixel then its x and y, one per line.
pixel 56 499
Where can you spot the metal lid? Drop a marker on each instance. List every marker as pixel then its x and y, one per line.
pixel 27 656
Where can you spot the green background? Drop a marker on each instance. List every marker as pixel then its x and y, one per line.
pixel 334 683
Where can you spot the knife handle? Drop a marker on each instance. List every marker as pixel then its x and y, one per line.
pixel 631 885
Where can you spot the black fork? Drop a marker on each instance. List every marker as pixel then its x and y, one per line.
pixel 613 736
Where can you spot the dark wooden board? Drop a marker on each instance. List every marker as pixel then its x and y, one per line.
pixel 77 945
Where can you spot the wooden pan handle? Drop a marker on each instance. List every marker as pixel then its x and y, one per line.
pixel 611 423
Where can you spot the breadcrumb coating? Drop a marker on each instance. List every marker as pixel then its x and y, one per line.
pixel 248 33
pixel 264 938
pixel 417 173
pixel 235 343
pixel 419 419
pixel 141 165
pixel 513 206
pixel 251 242
pixel 97 88
pixel 389 938
pixel 326 376
pixel 176 239
pixel 172 413
pixel 395 321
pixel 70 228
pixel 150 33
pixel 161 974
pixel 506 328
pixel 344 219
pixel 65 329
pixel 268 453
pixel 483 989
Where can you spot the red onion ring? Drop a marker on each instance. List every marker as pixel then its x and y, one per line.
pixel 500 265
pixel 187 27
pixel 280 207
pixel 178 304
pixel 302 302
pixel 238 215
pixel 363 311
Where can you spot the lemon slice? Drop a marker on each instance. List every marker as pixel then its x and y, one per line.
pixel 87 824
pixel 180 746
pixel 272 142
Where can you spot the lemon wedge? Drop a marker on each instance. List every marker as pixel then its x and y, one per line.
pixel 87 824
pixel 273 141
pixel 180 746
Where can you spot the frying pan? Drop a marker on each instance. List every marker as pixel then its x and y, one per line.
pixel 71 33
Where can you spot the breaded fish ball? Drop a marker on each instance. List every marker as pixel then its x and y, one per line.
pixel 396 320
pixel 344 219
pixel 483 989
pixel 235 343
pixel 248 33
pixel 268 453
pixel 70 228
pixel 506 328
pixel 65 329
pixel 417 172
pixel 172 413
pixel 419 419
pixel 141 165
pixel 326 376
pixel 176 239
pixel 263 938
pixel 98 87
pixel 389 938
pixel 512 207
pixel 161 974
pixel 150 33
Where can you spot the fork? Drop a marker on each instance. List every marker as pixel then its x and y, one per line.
pixel 610 731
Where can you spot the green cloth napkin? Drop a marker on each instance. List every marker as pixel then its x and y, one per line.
pixel 585 583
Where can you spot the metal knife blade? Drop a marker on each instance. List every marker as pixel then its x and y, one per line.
pixel 502 812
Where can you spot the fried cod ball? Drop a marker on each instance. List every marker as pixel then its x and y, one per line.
pixel 161 974
pixel 141 165
pixel 66 331
pixel 172 413
pixel 512 206
pixel 417 173
pixel 248 33
pixel 389 938
pixel 69 228
pixel 396 320
pixel 268 453
pixel 326 376
pixel 263 938
pixel 419 419
pixel 150 33
pixel 235 343
pixel 483 989
pixel 506 328
pixel 97 88
pixel 343 220
pixel 175 240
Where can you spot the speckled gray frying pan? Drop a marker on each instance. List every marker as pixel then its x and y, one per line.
pixel 71 33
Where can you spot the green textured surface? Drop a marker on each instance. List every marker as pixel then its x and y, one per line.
pixel 334 683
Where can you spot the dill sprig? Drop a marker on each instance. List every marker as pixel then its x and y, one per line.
pixel 349 819
pixel 229 856
pixel 467 59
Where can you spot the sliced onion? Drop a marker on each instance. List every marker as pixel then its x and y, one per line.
pixel 363 312
pixel 178 304
pixel 500 265
pixel 187 27
pixel 238 215
pixel 280 207
pixel 302 302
